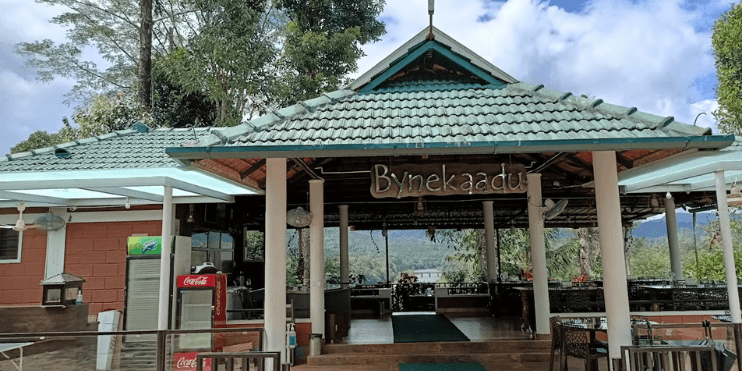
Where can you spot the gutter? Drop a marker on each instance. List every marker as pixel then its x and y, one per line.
pixel 448 148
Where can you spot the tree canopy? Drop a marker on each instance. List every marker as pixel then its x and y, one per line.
pixel 727 43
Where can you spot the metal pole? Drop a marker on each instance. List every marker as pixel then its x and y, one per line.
pixel 344 262
pixel 499 262
pixel 386 242
pixel 164 298
pixel 695 246
pixel 672 239
pixel 489 239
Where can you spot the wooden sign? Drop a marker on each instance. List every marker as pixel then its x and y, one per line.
pixel 411 180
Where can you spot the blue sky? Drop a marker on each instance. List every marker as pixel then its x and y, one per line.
pixel 652 54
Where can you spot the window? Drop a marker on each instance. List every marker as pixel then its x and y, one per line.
pixel 10 245
pixel 212 247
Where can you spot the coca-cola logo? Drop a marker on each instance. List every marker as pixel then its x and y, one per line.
pixel 194 281
pixel 186 363
pixel 218 295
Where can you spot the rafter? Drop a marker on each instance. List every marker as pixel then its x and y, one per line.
pixel 623 161
pixel 253 168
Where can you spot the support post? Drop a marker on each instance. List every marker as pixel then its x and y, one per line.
pixel 275 256
pixel 499 261
pixel 164 298
pixel 317 256
pixel 608 206
pixel 344 264
pixel 56 245
pixel 489 241
pixel 538 255
pixel 726 243
pixel 386 243
pixel 676 263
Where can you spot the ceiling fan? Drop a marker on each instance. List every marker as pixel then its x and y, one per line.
pixel 48 222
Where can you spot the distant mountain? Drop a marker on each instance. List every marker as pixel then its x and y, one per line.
pixel 657 228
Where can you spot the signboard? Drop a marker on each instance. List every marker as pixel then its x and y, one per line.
pixel 197 280
pixel 413 180
pixel 187 362
pixel 144 245
pixel 220 299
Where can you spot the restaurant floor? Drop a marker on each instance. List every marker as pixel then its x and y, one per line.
pixel 378 330
pixel 482 328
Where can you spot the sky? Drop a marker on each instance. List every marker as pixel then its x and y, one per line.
pixel 655 55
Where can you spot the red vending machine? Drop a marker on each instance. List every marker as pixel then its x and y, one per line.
pixel 202 304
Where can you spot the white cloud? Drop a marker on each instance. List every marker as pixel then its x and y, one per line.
pixel 646 54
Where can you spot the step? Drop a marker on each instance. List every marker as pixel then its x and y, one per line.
pixel 496 346
pixel 388 360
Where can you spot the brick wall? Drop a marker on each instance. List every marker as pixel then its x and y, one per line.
pixel 97 252
pixel 22 279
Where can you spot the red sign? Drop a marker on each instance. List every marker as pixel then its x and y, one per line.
pixel 187 362
pixel 220 299
pixel 197 280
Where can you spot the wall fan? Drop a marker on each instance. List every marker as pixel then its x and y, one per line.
pixel 735 196
pixel 299 218
pixel 553 209
pixel 48 222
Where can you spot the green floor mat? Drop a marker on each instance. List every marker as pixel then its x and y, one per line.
pixel 425 328
pixel 441 367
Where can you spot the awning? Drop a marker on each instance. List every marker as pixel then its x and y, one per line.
pixel 117 187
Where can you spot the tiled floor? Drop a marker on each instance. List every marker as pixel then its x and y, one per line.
pixel 379 330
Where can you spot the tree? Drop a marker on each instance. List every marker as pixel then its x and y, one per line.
pixel 41 139
pixel 323 43
pixel 727 43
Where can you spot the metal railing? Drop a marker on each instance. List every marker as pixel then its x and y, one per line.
pixel 130 350
pixel 245 358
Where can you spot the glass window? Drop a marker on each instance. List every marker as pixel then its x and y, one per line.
pixel 254 246
pixel 213 247
pixel 10 245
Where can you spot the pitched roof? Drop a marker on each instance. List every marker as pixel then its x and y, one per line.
pixel 125 149
pixel 437 97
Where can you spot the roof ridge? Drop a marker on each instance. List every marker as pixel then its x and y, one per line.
pixel 277 116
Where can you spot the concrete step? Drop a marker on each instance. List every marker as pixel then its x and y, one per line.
pixel 389 360
pixel 496 346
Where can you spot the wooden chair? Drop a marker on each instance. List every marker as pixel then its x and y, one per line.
pixel 556 340
pixel 576 342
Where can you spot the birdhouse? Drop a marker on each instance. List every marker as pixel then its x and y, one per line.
pixel 61 290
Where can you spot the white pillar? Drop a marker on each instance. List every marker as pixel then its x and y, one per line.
pixel 317 256
pixel 275 256
pixel 676 264
pixel 167 228
pixel 344 263
pixel 726 243
pixel 608 206
pixel 489 241
pixel 538 254
pixel 56 242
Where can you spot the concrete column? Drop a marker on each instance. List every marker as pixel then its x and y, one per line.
pixel 608 206
pixel 538 254
pixel 275 256
pixel 344 264
pixel 726 243
pixel 167 230
pixel 317 256
pixel 676 263
pixel 489 241
pixel 55 245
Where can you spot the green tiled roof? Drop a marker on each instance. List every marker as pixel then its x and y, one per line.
pixel 126 149
pixel 518 112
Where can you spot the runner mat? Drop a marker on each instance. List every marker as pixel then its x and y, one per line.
pixel 441 367
pixel 417 328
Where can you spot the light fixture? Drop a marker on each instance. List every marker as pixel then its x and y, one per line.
pixel 512 227
pixel 419 207
pixel 668 195
pixel 190 214
pixel 127 205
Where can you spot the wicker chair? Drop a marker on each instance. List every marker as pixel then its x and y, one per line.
pixel 576 343
pixel 556 340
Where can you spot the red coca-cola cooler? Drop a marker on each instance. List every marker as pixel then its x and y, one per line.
pixel 187 362
pixel 202 304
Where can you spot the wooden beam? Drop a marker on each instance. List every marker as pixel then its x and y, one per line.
pixel 253 168
pixel 623 161
pixel 305 167
pixel 580 162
